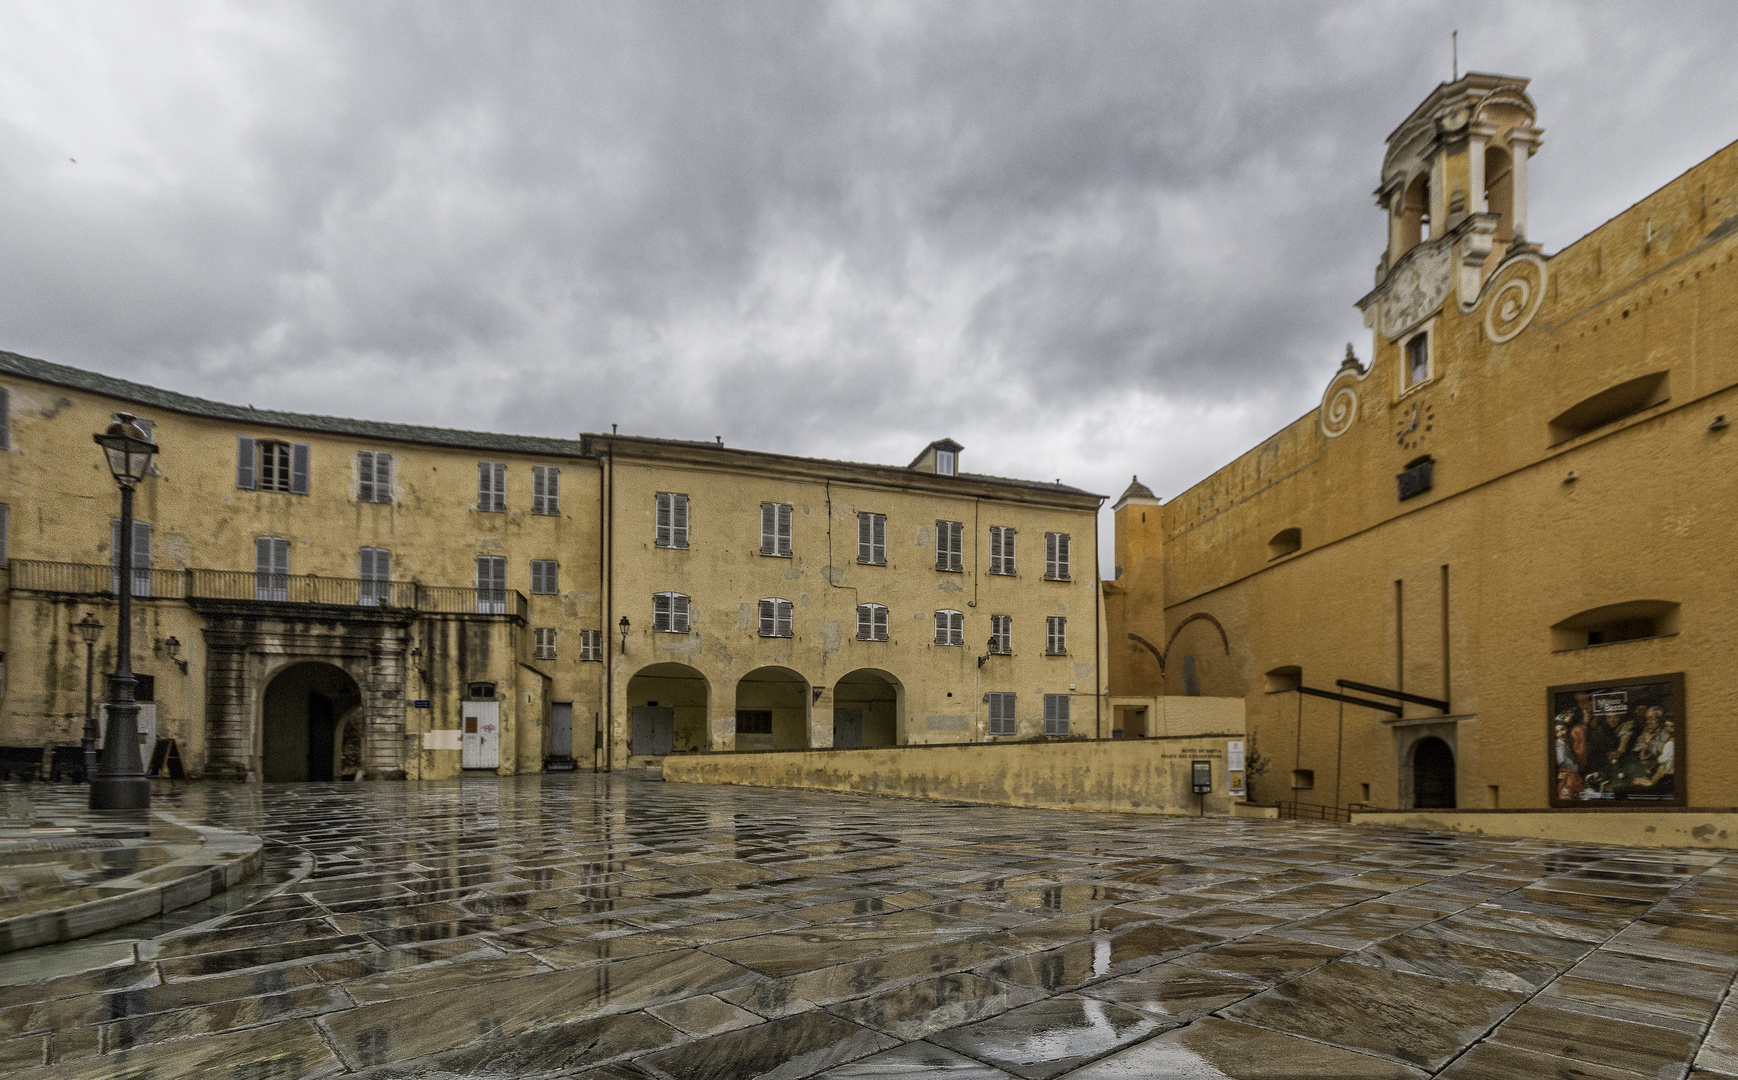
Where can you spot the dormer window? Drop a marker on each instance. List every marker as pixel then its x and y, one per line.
pixel 945 462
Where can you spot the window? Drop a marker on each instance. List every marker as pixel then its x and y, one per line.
pixel 871 622
pixel 1418 359
pixel 945 463
pixel 948 545
pixel 545 577
pixel 492 487
pixel 1632 620
pixel 1303 779
pixel 1283 680
pixel 543 643
pixel 376 575
pixel 271 568
pixel 1001 635
pixel 484 691
pixel 1056 714
pixel 1416 478
pixel 775 529
pixel 672 531
pixel 1001 713
pixel 950 628
pixel 1284 542
pixel 545 490
pixel 591 645
pixel 491 584
pixel 262 465
pixel 1056 556
pixel 1056 636
pixel 373 476
pixel 669 613
pixel 754 721
pixel 872 539
pixel 141 557
pixel 1001 549
pixel 775 618
pixel 5 419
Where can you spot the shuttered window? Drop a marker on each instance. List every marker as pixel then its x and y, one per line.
pixel 545 577
pixel 591 645
pixel 141 557
pixel 492 487
pixel 1002 635
pixel 672 527
pixel 545 490
pixel 492 584
pixel 950 628
pixel 871 622
pixel 5 419
pixel 376 574
pixel 949 545
pixel 872 539
pixel 543 643
pixel 1001 549
pixel 1056 556
pixel 245 452
pixel 775 618
pixel 775 529
pixel 1056 635
pixel 271 568
pixel 373 476
pixel 280 466
pixel 1055 714
pixel 670 613
pixel 1001 713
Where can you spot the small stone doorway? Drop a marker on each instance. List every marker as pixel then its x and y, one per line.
pixel 311 720
pixel 1432 775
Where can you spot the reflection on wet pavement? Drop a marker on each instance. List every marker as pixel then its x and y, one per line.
pixel 615 928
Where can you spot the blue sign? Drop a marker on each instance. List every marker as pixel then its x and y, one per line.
pixel 419 704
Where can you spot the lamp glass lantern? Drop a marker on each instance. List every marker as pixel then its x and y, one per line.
pixel 89 629
pixel 127 448
pixel 623 626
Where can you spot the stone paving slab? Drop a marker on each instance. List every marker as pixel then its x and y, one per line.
pixel 67 873
pixel 616 928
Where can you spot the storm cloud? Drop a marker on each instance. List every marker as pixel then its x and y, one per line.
pixel 1085 240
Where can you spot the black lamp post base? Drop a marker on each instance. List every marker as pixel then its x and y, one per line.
pixel 120 793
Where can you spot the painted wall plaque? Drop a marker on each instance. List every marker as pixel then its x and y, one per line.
pixel 1618 743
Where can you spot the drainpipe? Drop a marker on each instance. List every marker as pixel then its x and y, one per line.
pixel 606 582
pixel 1097 645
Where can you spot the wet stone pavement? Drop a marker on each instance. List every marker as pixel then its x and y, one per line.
pixel 617 928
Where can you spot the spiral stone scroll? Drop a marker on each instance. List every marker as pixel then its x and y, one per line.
pixel 1513 297
pixel 1340 402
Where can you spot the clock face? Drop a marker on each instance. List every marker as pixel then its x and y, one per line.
pixel 1416 426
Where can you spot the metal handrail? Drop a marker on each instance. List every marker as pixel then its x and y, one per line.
pixel 1303 811
pixel 95 579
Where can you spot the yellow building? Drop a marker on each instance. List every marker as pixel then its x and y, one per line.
pixel 1510 530
pixel 321 597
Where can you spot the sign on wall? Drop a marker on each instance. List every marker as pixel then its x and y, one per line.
pixel 1234 767
pixel 1618 743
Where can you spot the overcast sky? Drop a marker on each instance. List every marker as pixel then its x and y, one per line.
pixel 1085 239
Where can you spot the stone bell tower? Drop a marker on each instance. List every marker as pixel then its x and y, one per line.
pixel 1454 186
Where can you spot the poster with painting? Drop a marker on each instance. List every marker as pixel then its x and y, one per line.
pixel 1618 743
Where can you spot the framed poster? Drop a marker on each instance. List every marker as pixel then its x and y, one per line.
pixel 1617 743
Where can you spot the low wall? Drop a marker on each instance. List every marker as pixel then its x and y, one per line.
pixel 1714 827
pixel 1169 717
pixel 1140 776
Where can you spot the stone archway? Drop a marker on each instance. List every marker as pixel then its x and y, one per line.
pixel 868 709
pixel 668 710
pixel 304 713
pixel 772 710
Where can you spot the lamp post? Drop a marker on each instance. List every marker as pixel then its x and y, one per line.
pixel 89 629
pixel 119 783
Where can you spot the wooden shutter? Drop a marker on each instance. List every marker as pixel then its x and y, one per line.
pixel 865 538
pixel 364 476
pixel 941 545
pixel 661 612
pixel 1007 550
pixel 1062 555
pixel 299 468
pixel 768 618
pixel 5 419
pixel 382 476
pixel 244 458
pixel 995 549
pixel 941 628
pixel 768 528
pixel 663 530
pixel 679 613
pixel 878 525
pixel 878 615
pixel 782 613
pixel 679 521
pixel 865 623
pixel 784 528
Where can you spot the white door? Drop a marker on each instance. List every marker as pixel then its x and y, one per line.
pixel 147 728
pixel 482 735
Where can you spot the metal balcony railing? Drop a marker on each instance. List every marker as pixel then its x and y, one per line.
pixel 91 579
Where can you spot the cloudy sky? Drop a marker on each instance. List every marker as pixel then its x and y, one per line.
pixel 1084 239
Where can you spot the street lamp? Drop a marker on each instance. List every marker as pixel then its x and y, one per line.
pixel 119 783
pixel 89 629
pixel 173 648
pixel 624 629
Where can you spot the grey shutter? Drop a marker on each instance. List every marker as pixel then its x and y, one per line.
pixel 679 521
pixel 382 476
pixel 866 538
pixel 782 613
pixel 941 545
pixel 364 476
pixel 995 549
pixel 661 611
pixel 663 530
pixel 299 468
pixel 768 618
pixel 878 523
pixel 244 458
pixel 768 528
pixel 5 419
pixel 878 615
pixel 959 628
pixel 1007 550
pixel 485 486
pixel 1062 555
pixel 941 628
pixel 551 489
pixel 679 613
pixel 865 623
pixel 784 528
pixel 141 559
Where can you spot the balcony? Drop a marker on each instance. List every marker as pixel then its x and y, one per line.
pixel 97 580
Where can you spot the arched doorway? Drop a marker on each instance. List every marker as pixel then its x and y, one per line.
pixel 868 709
pixel 1432 775
pixel 667 711
pixel 311 725
pixel 772 710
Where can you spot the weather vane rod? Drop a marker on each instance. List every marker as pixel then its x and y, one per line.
pixel 1454 47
